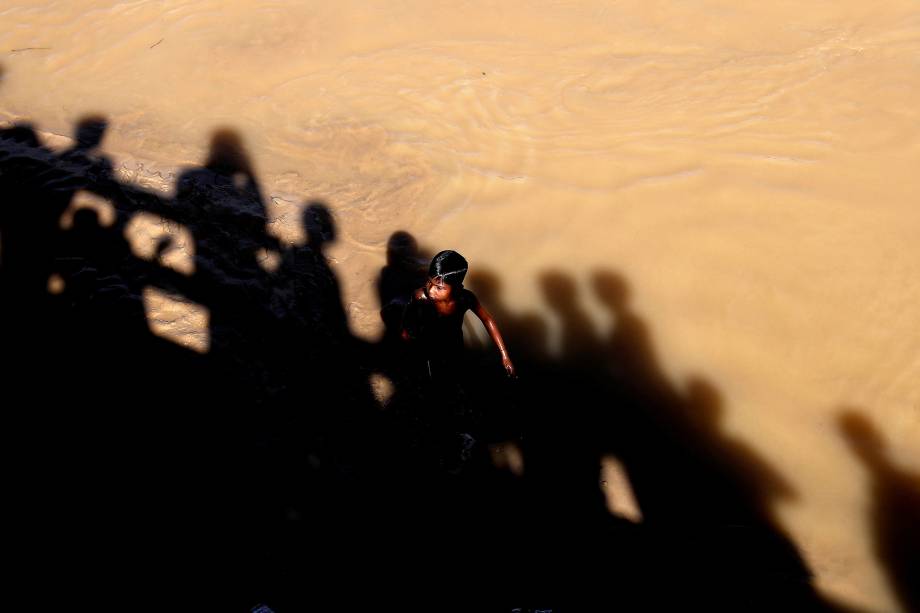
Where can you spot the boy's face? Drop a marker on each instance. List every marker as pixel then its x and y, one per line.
pixel 437 289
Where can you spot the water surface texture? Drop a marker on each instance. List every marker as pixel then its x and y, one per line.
pixel 748 170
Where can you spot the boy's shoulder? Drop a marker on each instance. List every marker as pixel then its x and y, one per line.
pixel 469 298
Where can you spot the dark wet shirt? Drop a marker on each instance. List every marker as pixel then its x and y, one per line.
pixel 438 338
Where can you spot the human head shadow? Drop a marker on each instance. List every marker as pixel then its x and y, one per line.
pixel 629 346
pixel 222 204
pixel 405 271
pixel 89 134
pixel 313 290
pixel 694 483
pixel 526 332
pixel 894 512
pixel 579 340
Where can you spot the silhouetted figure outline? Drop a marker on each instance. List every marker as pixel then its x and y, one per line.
pixel 895 506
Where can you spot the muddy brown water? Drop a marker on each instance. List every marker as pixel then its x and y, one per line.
pixel 749 169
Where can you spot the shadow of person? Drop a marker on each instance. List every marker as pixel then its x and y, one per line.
pixel 222 206
pixel 737 491
pixel 329 408
pixel 675 449
pixel 18 173
pixel 526 333
pixel 565 432
pixel 646 410
pixel 746 474
pixel 572 385
pixel 85 168
pixel 895 510
pixel 629 351
pixel 579 341
pixel 305 271
pixel 88 137
pixel 33 202
pixel 506 400
pixel 318 314
pixel 408 421
pixel 406 270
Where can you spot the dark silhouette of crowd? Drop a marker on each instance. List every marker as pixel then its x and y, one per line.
pixel 269 460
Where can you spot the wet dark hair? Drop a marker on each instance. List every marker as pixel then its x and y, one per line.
pixel 450 266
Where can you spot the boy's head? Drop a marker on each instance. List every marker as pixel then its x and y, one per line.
pixel 450 266
pixel 446 272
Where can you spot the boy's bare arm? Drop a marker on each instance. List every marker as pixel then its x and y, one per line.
pixel 489 322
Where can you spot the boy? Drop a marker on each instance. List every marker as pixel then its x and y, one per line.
pixel 433 320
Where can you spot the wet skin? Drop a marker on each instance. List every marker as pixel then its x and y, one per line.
pixel 442 296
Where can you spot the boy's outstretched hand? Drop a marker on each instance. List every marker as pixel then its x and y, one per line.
pixel 509 367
